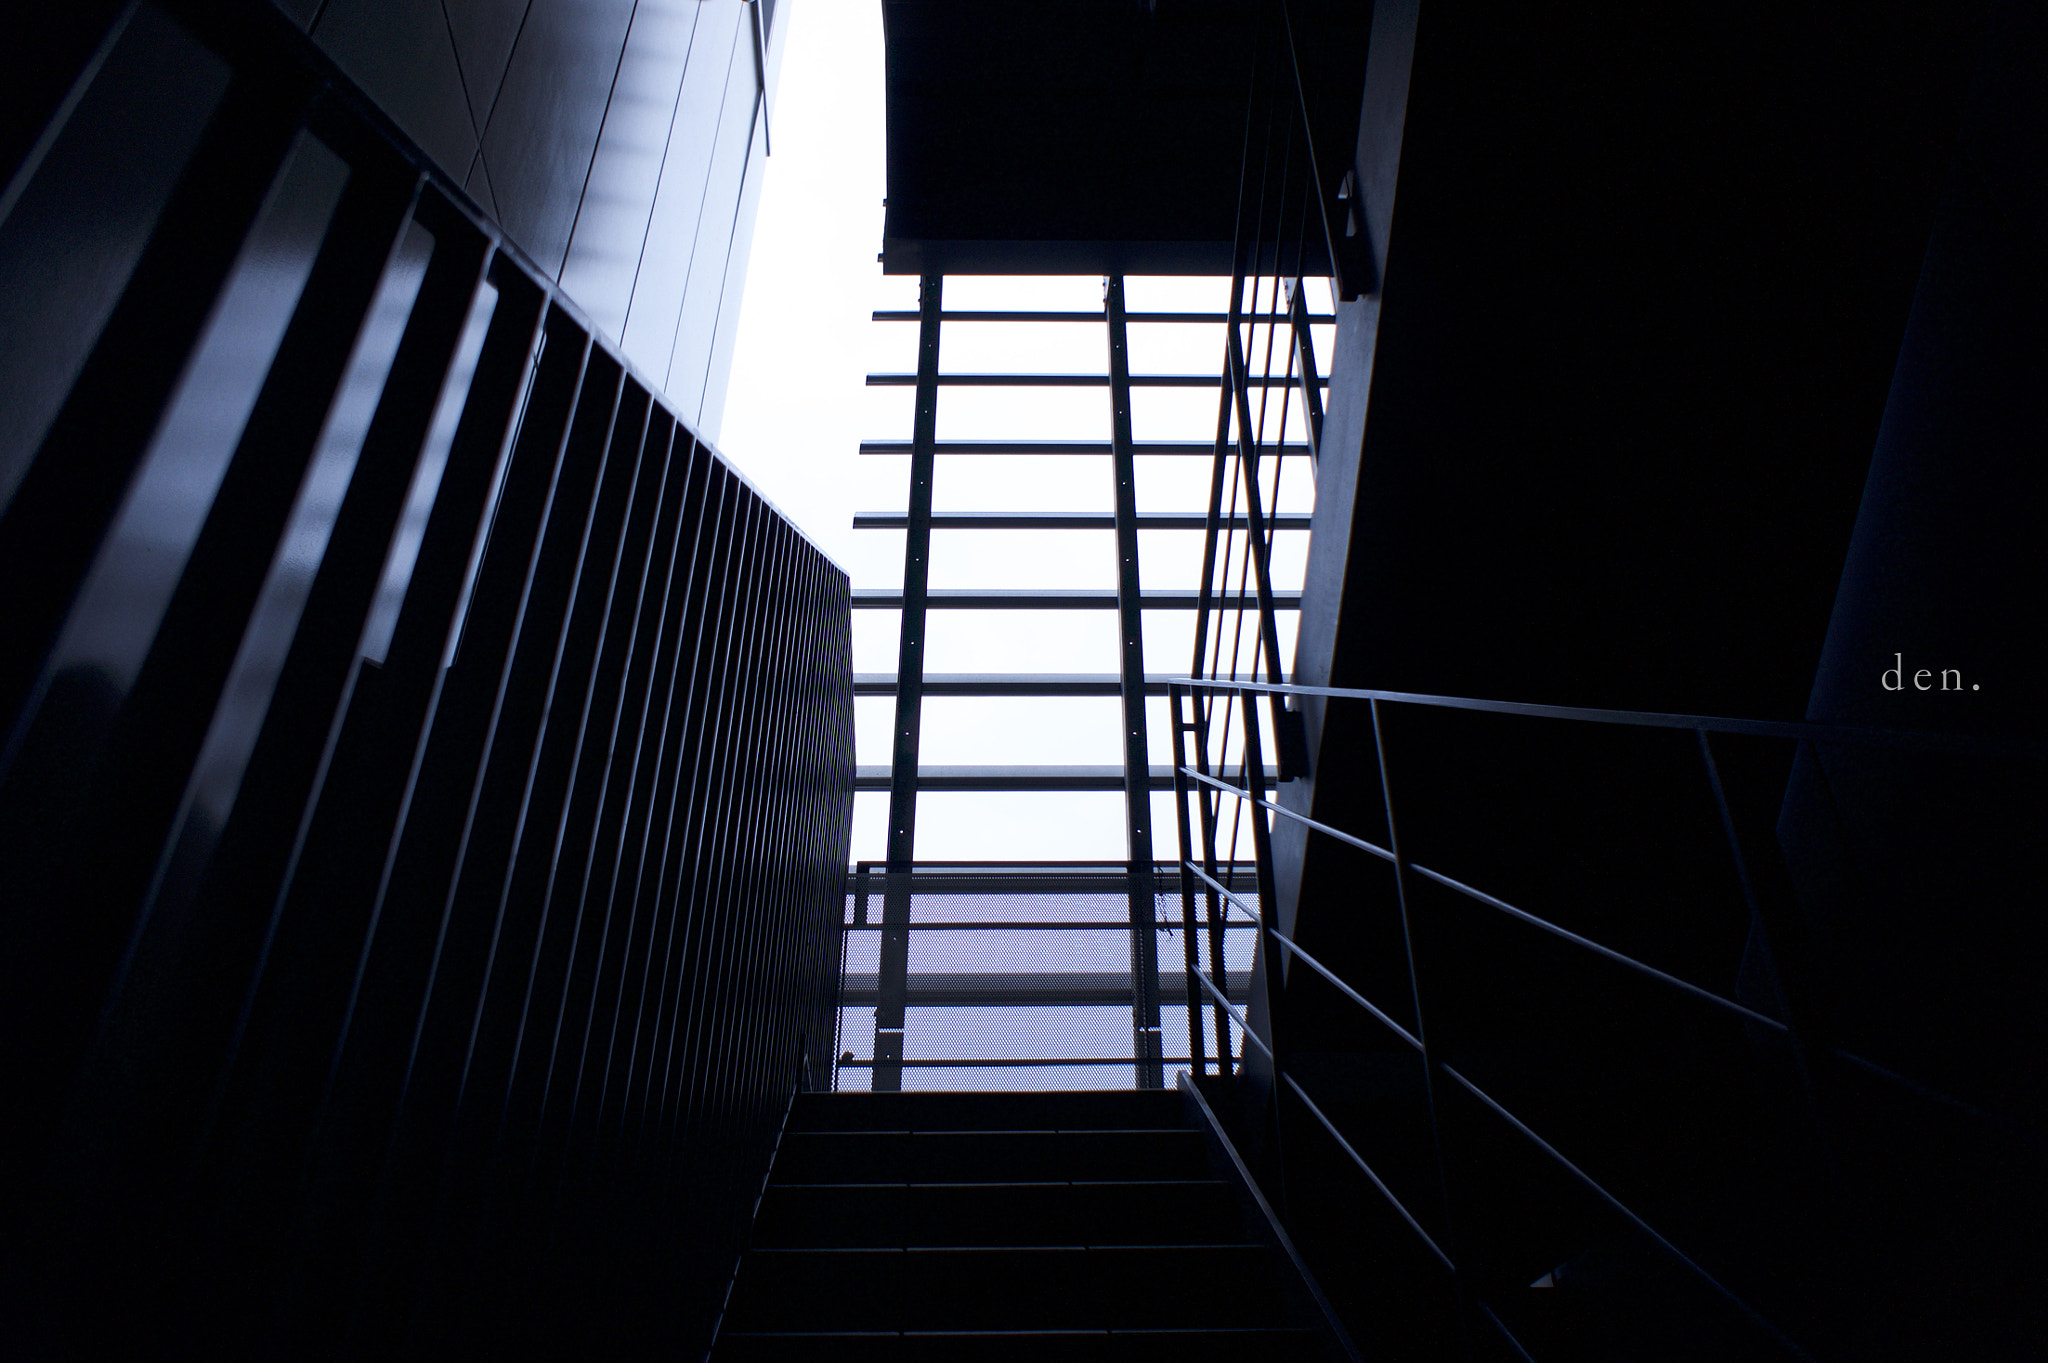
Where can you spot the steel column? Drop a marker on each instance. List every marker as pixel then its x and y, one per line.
pixel 1131 656
pixel 1191 956
pixel 1307 379
pixel 895 958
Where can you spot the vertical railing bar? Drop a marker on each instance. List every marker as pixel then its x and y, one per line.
pixel 667 571
pixel 689 570
pixel 1189 949
pixel 700 871
pixel 1429 1059
pixel 1308 139
pixel 1256 535
pixel 1309 378
pixel 677 727
pixel 1270 966
pixel 614 641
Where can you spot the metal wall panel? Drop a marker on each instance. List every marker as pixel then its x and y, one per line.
pixel 484 32
pixel 600 135
pixel 725 331
pixel 544 124
pixel 427 768
pixel 697 323
pixel 403 56
pixel 611 225
pixel 679 205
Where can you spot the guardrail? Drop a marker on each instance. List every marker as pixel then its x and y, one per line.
pixel 1248 785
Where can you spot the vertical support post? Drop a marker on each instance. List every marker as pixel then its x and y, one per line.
pixel 1203 705
pixel 860 889
pixel 1131 665
pixel 1212 530
pixel 1350 268
pixel 1306 374
pixel 1191 956
pixel 1436 1132
pixel 1259 546
pixel 1272 964
pixel 892 981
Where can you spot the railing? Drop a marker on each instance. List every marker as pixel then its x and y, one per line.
pixel 1462 1216
pixel 1292 205
pixel 1247 786
pixel 418 857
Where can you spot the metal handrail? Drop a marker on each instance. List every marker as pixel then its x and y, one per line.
pixel 1480 896
pixel 1191 779
pixel 1965 745
pixel 1317 966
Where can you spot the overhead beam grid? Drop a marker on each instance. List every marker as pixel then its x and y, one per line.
pixel 895 988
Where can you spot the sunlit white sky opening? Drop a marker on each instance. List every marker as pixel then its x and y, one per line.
pixel 798 408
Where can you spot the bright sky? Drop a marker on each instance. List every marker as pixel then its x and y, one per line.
pixel 798 407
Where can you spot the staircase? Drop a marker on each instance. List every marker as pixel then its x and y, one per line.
pixel 1011 1226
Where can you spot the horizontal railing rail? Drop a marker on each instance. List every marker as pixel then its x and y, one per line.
pixel 1062 520
pixel 1171 318
pixel 1065 381
pixel 1179 448
pixel 1075 598
pixel 1961 745
pixel 1210 785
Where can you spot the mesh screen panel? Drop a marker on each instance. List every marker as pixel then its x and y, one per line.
pixel 1022 979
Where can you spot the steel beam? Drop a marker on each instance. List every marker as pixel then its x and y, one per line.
pixel 894 962
pixel 1182 318
pixel 989 778
pixel 1034 600
pixel 1068 520
pixel 1051 878
pixel 1070 381
pixel 1308 379
pixel 1138 786
pixel 1030 988
pixel 1183 448
pixel 1016 683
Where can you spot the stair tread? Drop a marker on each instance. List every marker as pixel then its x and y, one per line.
pixel 1076 1109
pixel 1226 1344
pixel 1005 1287
pixel 1120 1156
pixel 979 1249
pixel 997 1212
pixel 917 1227
pixel 1023 1183
pixel 1010 1334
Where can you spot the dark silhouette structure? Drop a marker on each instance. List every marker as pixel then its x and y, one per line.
pixel 424 801
pixel 1643 960
pixel 427 764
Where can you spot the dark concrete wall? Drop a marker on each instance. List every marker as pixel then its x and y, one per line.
pixel 1914 872
pixel 1644 289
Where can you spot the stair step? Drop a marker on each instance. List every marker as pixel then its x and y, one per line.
pixel 1110 1288
pixel 829 1216
pixel 1032 1156
pixel 1278 1344
pixel 1079 1109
